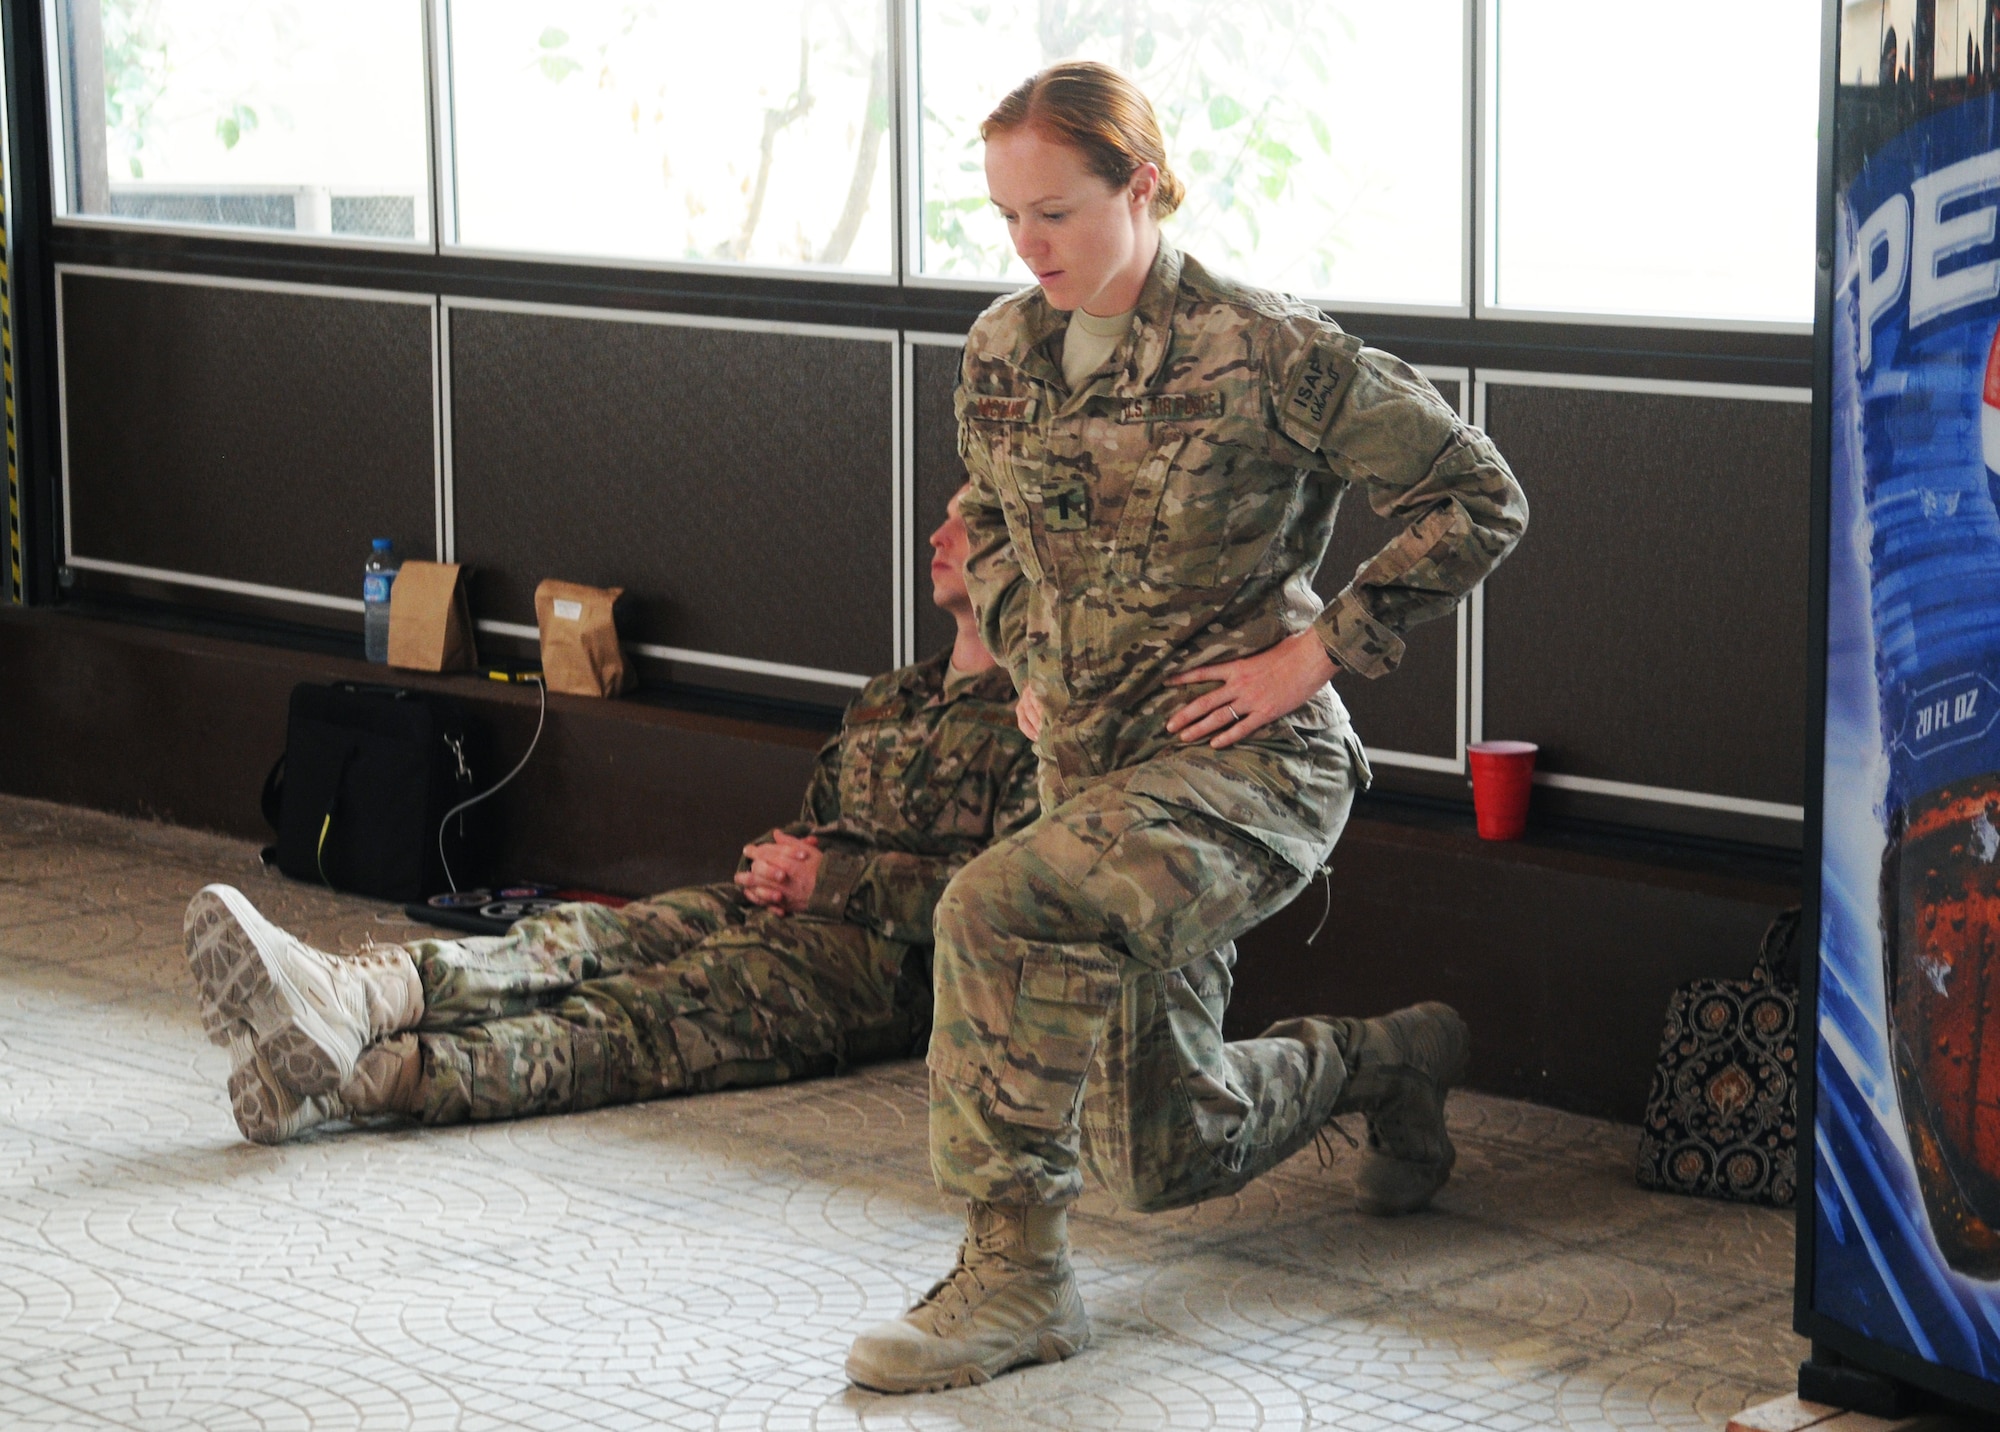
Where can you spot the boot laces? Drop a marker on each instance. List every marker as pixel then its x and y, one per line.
pixel 1323 1145
pixel 957 1292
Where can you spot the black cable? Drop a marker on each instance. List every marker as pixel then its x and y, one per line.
pixel 541 715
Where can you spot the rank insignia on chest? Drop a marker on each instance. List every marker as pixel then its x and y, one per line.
pixel 1065 504
pixel 1001 410
pixel 1171 407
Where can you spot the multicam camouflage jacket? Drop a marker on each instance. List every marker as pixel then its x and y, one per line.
pixel 1173 510
pixel 927 771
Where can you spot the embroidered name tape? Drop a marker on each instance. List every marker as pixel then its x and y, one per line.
pixel 1171 407
pixel 1001 410
pixel 1317 385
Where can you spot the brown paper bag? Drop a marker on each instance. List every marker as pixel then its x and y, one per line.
pixel 430 618
pixel 580 654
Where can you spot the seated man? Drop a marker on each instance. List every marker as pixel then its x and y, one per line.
pixel 818 956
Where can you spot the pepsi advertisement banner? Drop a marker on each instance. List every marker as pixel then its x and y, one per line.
pixel 1904 1234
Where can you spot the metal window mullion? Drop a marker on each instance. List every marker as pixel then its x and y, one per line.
pixel 252 285
pixel 437 102
pixel 1666 387
pixel 55 97
pixel 14 588
pixel 1471 227
pixel 905 242
pixel 62 419
pixel 1474 706
pixel 910 217
pixel 447 517
pixel 1484 100
pixel 899 507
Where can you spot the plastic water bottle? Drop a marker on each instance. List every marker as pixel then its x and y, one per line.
pixel 377 577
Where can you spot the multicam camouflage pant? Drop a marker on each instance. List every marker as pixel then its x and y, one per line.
pixel 1086 961
pixel 687 991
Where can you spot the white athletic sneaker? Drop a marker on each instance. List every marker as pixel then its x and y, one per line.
pixel 306 1014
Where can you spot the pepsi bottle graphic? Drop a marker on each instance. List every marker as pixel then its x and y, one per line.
pixel 1931 427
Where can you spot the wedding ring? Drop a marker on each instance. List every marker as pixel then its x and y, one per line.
pixel 1232 714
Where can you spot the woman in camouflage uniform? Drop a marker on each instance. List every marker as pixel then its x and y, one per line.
pixel 1156 455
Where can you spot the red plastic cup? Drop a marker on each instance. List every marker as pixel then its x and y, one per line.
pixel 1502 773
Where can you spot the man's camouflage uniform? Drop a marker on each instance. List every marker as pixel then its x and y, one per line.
pixel 1168 514
pixel 698 989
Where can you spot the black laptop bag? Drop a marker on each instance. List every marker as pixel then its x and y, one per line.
pixel 368 775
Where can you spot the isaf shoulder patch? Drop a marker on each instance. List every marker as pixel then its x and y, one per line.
pixel 1316 386
pixel 1171 407
pixel 1000 410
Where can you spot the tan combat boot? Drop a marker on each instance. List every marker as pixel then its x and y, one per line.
pixel 1011 1299
pixel 1398 1070
pixel 266 1111
pixel 305 1013
pixel 384 1081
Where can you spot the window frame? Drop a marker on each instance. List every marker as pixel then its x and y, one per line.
pixel 59 88
pixel 444 189
pixel 911 79
pixel 1486 97
pixel 1478 280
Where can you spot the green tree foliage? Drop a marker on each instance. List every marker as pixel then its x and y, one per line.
pixel 625 62
pixel 135 74
pixel 1236 87
pixel 553 63
pixel 138 71
pixel 236 122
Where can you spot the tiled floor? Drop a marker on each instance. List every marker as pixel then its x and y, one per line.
pixel 702 1263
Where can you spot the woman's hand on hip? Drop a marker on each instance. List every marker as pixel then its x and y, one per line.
pixel 1028 713
pixel 1252 692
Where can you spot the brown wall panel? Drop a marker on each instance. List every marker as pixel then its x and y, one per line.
pixel 1415 707
pixel 1651 627
pixel 737 484
pixel 246 434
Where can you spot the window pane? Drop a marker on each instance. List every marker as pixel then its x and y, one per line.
pixel 268 114
pixel 753 132
pixel 1657 162
pixel 1322 144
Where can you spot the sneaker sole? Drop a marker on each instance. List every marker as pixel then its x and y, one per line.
pixel 266 1112
pixel 239 996
pixel 254 1098
pixel 1049 1347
